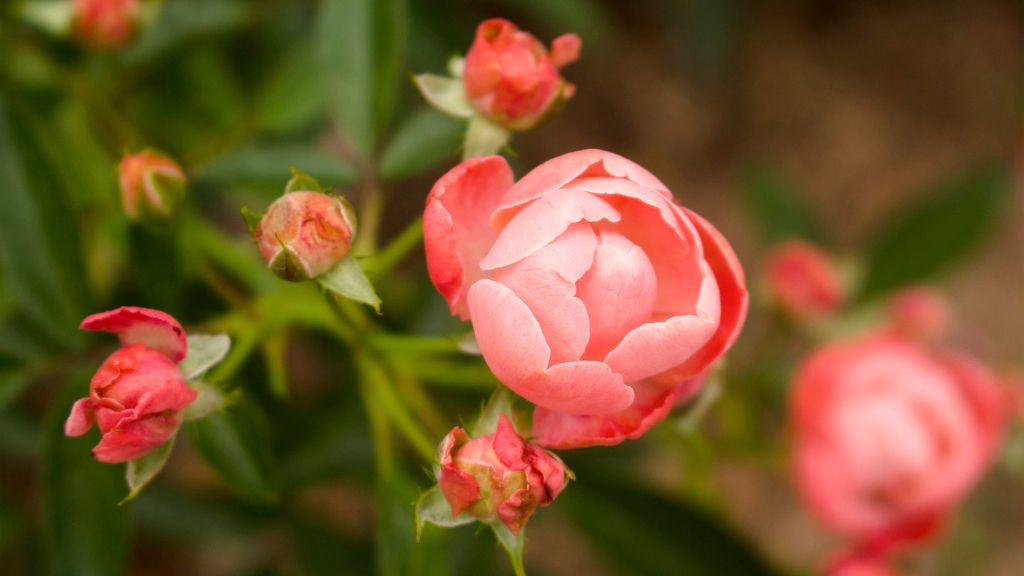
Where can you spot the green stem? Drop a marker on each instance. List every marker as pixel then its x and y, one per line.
pixel 401 343
pixel 399 248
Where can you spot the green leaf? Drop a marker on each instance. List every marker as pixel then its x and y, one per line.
pixel 302 182
pixel 943 226
pixel 86 532
pixel 140 472
pixel 252 219
pixel 361 49
pixel 347 279
pixel 12 384
pixel 236 443
pixel 483 138
pixel 38 241
pixel 445 94
pixel 780 211
pixel 204 352
pixel 269 163
pixel 183 21
pixel 209 400
pixel 433 508
pixel 645 534
pixel 424 139
pixel 514 545
pixel 294 94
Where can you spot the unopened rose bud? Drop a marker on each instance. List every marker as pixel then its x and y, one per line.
pixel 138 393
pixel 804 281
pixel 510 77
pixel 105 24
pixel 152 186
pixel 498 476
pixel 304 234
pixel 919 313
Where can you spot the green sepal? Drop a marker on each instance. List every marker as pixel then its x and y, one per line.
pixel 302 182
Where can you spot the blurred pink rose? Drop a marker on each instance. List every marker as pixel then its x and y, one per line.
pixel 498 475
pixel 919 313
pixel 889 437
pixel 152 185
pixel 136 395
pixel 803 280
pixel 304 234
pixel 860 567
pixel 106 23
pixel 592 293
pixel 510 77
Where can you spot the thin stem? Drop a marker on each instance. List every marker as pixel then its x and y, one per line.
pixel 394 253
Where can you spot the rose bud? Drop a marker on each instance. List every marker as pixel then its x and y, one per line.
pixel 804 281
pixel 138 393
pixel 919 313
pixel 510 77
pixel 499 475
pixel 592 293
pixel 304 234
pixel 888 437
pixel 106 24
pixel 860 567
pixel 152 186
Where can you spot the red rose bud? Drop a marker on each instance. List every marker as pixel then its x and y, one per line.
pixel 304 234
pixel 106 24
pixel 497 476
pixel 138 393
pixel 152 186
pixel 804 281
pixel 511 78
pixel 919 313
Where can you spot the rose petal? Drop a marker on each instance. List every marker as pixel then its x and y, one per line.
pixel 558 430
pixel 80 419
pixel 134 325
pixel 456 233
pixel 513 345
pixel 543 221
pixel 134 439
pixel 565 50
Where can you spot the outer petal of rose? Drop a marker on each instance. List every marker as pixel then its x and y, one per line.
pixel 456 233
pixel 133 325
pixel 558 430
pixel 172 395
pixel 985 397
pixel 609 186
pixel 655 347
pixel 732 290
pixel 131 440
pixel 558 172
pixel 541 222
pixel 459 489
pixel 513 345
pixel 80 419
pixel 565 50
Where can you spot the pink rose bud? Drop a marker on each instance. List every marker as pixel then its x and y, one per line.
pixel 889 437
pixel 499 475
pixel 592 293
pixel 152 186
pixel 919 313
pixel 137 394
pixel 106 23
pixel 304 234
pixel 511 78
pixel 804 281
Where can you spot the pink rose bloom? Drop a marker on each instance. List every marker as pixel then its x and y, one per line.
pixel 889 437
pixel 511 78
pixel 803 280
pixel 138 392
pixel 861 567
pixel 304 234
pixel 919 313
pixel 106 23
pixel 498 475
pixel 592 293
pixel 152 185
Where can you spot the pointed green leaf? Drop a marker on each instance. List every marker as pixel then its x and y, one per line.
pixel 347 279
pixel 141 471
pixel 445 94
pixel 433 508
pixel 424 139
pixel 483 138
pixel 267 163
pixel 252 219
pixel 302 182
pixel 236 443
pixel 210 399
pixel 513 544
pixel 204 352
pixel 294 96
pixel 944 226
